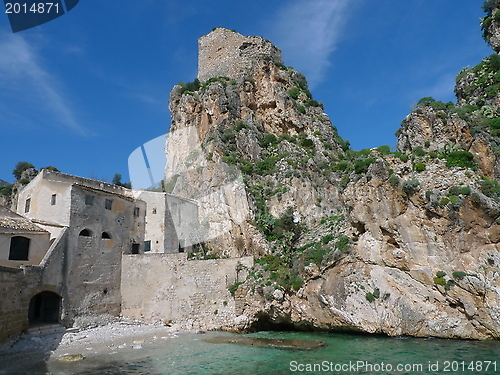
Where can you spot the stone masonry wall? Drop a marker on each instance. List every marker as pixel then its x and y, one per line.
pixel 170 289
pixel 226 53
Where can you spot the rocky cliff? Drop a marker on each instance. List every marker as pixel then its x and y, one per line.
pixel 400 243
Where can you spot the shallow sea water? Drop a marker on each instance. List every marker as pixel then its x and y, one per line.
pixel 343 354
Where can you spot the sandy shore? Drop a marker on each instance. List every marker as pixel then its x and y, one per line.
pixel 30 350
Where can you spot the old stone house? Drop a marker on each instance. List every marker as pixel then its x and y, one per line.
pixel 61 253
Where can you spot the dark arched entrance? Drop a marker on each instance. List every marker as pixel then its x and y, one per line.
pixel 44 309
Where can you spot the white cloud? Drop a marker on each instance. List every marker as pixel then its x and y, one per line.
pixel 307 31
pixel 24 79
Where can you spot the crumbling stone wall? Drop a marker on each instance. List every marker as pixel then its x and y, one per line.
pixel 169 288
pixel 226 53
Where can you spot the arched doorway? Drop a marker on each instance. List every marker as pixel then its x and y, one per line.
pixel 44 309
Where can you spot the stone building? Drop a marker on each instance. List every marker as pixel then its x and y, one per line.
pixel 78 230
pixel 61 253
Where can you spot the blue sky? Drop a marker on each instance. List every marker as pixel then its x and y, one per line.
pixel 83 91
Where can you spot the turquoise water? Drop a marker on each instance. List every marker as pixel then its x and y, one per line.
pixel 189 354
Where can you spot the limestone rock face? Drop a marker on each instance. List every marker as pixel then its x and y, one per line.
pixel 225 121
pixel 493 31
pixel 399 243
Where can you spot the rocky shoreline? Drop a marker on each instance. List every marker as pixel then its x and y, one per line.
pixel 29 351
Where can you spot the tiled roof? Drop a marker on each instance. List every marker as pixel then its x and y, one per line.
pixel 20 224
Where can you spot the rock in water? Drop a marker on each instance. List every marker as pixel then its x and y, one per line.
pixel 289 344
pixel 71 358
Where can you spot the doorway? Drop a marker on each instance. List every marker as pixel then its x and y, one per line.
pixel 44 309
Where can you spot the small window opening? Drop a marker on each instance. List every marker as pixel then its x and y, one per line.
pixel 53 199
pixel 181 249
pixel 136 211
pixel 106 235
pixel 147 245
pixel 86 233
pixel 19 248
pixel 27 205
pixel 135 248
pixel 108 204
pixel 89 200
pixel 154 211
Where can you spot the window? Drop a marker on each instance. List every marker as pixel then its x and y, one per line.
pixel 108 204
pixel 89 200
pixel 135 248
pixel 154 211
pixel 86 233
pixel 27 205
pixel 106 235
pixel 136 212
pixel 147 245
pixel 19 248
pixel 53 199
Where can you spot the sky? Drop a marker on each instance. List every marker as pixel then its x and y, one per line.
pixel 83 91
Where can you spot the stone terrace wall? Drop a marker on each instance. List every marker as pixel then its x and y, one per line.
pixel 13 312
pixel 190 294
pixel 226 53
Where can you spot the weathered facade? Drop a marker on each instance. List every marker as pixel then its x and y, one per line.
pixel 73 277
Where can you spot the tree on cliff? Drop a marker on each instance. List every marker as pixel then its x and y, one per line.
pixel 20 168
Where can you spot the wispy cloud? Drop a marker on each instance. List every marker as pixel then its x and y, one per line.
pixel 24 79
pixel 307 31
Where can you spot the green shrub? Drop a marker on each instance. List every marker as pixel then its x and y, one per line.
pixel 474 197
pixel 490 188
pixel 294 92
pixel 427 143
pixel 444 201
pixel 370 297
pixel 268 140
pixel 343 243
pixel 376 293
pixel 426 101
pixel 455 201
pixel 361 165
pixel 401 156
pixel 384 149
pixel 266 166
pixel 314 254
pixel 419 167
pixel 230 160
pixel 327 238
pixel 459 274
pixel 410 186
pixel 440 274
pixel 306 142
pixel 297 282
pixel 301 109
pixel 418 151
pixel 394 180
pixel 240 125
pixel 344 182
pixel 232 288
pixel 462 159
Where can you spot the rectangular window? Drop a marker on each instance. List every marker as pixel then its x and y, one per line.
pixel 154 211
pixel 135 248
pixel 136 212
pixel 19 248
pixel 27 205
pixel 89 200
pixel 147 245
pixel 53 199
pixel 108 204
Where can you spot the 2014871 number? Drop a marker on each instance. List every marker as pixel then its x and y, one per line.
pixel 34 8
